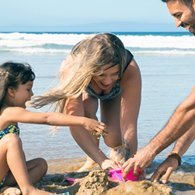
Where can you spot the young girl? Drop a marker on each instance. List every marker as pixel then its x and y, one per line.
pixel 16 81
pixel 100 72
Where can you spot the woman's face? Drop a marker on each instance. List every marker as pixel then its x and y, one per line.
pixel 110 74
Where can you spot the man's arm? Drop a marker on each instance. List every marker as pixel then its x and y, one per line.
pixel 182 120
pixel 184 142
pixel 171 163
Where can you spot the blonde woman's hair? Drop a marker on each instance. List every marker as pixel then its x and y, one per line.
pixel 85 61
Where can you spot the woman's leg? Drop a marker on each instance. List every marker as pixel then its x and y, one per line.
pixel 13 159
pixel 110 114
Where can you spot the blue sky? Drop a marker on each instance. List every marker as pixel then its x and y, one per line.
pixel 85 15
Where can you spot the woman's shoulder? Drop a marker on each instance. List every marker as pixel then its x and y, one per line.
pixel 129 56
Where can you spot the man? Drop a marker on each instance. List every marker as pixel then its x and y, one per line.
pixel 181 125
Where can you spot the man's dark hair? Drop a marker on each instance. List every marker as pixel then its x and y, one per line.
pixel 186 2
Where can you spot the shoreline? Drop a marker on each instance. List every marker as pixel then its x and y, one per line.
pixel 61 166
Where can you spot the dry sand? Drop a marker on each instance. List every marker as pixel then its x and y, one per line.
pixel 95 182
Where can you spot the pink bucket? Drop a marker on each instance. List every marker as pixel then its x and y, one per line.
pixel 116 175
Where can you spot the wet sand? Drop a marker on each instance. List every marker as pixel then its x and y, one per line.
pixel 96 181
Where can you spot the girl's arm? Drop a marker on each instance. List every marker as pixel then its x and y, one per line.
pixel 17 114
pixel 130 104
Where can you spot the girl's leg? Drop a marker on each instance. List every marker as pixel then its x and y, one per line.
pixel 4 170
pixel 37 168
pixel 110 114
pixel 13 159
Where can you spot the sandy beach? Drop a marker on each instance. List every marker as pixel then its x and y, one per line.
pixel 96 182
pixel 167 77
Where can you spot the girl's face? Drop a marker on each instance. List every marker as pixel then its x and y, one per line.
pixel 110 74
pixel 22 94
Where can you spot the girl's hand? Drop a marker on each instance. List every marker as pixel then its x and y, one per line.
pixel 94 126
pixel 110 164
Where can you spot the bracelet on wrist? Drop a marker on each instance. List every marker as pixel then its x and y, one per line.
pixel 176 156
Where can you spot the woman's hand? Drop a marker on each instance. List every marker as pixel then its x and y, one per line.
pixel 110 164
pixel 95 127
pixel 165 169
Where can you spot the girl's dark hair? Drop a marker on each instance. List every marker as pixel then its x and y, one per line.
pixel 12 74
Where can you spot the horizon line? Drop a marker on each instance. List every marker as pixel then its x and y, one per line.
pixel 90 31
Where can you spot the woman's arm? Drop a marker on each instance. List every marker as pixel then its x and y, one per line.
pixel 130 105
pixel 85 139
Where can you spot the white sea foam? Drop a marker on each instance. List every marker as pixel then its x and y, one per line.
pixel 57 43
pixel 167 42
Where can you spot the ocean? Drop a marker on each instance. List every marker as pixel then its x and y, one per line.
pixel 166 61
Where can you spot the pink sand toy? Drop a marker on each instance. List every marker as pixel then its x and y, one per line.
pixel 70 180
pixel 116 175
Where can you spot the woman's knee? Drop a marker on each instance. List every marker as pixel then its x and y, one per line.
pixel 113 141
pixel 113 138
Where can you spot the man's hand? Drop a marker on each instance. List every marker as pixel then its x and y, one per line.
pixel 165 169
pixel 141 160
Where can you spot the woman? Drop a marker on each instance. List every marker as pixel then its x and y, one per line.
pixel 100 72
